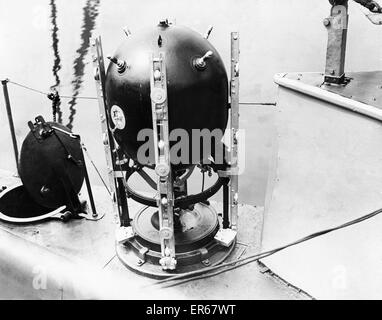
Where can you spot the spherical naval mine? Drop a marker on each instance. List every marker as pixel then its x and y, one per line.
pixel 197 88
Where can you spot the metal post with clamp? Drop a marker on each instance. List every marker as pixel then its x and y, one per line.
pixel 165 198
pixel 337 26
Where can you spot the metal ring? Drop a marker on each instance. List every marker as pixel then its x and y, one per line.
pixel 181 202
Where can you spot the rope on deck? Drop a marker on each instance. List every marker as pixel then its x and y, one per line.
pixel 227 266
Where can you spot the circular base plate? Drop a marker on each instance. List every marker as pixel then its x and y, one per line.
pixel 153 270
pixel 195 245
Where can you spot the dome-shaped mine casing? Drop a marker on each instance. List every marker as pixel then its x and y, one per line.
pixel 197 99
pixel 44 165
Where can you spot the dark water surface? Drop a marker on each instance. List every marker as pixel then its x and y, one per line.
pixel 45 45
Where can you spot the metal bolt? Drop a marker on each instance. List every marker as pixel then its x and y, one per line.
pixel 164 23
pixel 126 31
pixel 162 170
pixel 236 69
pixel 161 144
pixel 44 190
pixel 96 74
pixel 157 75
pixel 158 95
pixel 206 262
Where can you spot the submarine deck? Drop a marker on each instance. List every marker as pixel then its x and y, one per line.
pixel 327 171
pixel 364 87
pixel 77 260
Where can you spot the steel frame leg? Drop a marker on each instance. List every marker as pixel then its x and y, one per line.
pixel 116 177
pixel 228 234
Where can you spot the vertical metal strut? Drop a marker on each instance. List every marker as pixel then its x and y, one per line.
pixel 165 198
pixel 234 178
pixel 227 235
pixel 114 172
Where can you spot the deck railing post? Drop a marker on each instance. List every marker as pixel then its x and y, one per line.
pixel 337 26
pixel 10 120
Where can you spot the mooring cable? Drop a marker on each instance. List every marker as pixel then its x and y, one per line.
pixel 205 273
pixel 47 93
pixel 83 147
pixel 26 87
pixel 95 98
pixel 95 167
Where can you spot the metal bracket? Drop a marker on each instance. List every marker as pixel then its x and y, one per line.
pixel 142 256
pixel 229 172
pixel 225 237
pixel 165 200
pixel 124 234
pixel 337 26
